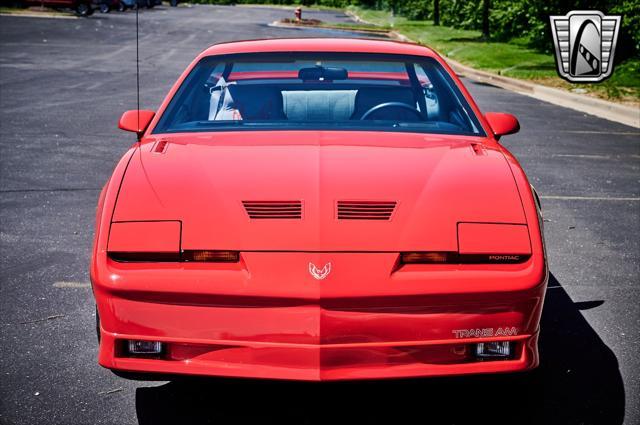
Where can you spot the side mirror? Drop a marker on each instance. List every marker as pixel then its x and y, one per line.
pixel 136 121
pixel 502 124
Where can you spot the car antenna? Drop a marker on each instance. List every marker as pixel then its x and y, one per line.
pixel 137 71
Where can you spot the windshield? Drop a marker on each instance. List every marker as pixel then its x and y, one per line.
pixel 320 91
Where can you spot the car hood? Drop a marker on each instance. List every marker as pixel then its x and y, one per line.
pixel 203 180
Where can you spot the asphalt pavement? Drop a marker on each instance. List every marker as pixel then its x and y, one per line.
pixel 63 85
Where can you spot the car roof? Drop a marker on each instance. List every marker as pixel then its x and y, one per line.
pixel 349 45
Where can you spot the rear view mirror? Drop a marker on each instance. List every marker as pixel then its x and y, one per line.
pixel 320 73
pixel 136 121
pixel 502 123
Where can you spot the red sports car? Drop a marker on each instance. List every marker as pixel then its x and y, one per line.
pixel 318 209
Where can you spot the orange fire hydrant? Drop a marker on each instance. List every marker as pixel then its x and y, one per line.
pixel 298 14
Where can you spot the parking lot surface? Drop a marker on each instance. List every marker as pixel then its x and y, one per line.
pixel 63 85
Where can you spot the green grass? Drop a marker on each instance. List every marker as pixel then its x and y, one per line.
pixel 625 81
pixel 513 59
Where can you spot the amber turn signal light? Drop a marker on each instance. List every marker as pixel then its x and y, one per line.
pixel 426 257
pixel 211 256
pixel 449 257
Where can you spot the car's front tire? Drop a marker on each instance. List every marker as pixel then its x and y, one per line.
pixel 98 324
pixel 84 9
pixel 121 7
pixel 104 8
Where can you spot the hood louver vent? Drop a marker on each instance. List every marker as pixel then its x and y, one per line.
pixel 160 147
pixel 365 210
pixel 273 209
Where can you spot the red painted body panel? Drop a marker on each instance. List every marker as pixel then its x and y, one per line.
pixel 437 181
pixel 487 238
pixel 266 316
pixel 348 45
pixel 135 121
pixel 502 124
pixel 150 236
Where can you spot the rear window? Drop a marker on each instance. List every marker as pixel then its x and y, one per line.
pixel 319 91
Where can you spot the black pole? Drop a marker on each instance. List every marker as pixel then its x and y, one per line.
pixel 436 12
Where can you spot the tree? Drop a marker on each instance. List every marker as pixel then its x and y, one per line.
pixel 485 18
pixel 436 12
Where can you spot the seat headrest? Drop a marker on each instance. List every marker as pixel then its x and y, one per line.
pixel 258 102
pixel 368 97
pixel 318 105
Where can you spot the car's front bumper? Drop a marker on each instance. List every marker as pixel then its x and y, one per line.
pixel 224 320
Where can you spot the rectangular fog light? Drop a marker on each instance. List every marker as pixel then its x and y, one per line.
pixel 495 349
pixel 144 347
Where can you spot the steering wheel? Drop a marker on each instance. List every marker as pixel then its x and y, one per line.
pixel 400 105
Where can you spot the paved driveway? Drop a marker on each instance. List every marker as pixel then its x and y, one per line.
pixel 63 86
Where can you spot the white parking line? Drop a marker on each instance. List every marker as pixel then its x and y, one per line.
pixel 569 155
pixel 615 133
pixel 589 198
pixel 71 285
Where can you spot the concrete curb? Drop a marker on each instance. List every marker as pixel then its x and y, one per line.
pixel 359 19
pixel 611 111
pixel 628 115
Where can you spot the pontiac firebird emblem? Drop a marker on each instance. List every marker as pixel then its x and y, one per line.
pixel 319 273
pixel 585 43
